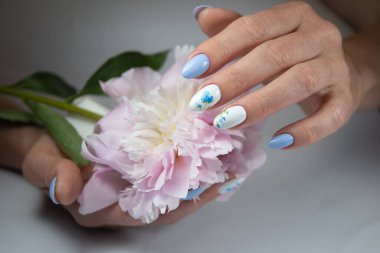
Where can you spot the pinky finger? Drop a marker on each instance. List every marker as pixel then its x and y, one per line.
pixel 325 121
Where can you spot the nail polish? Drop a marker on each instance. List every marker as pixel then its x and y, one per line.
pixel 205 98
pixel 194 193
pixel 198 9
pixel 231 185
pixel 230 117
pixel 52 191
pixel 281 141
pixel 196 66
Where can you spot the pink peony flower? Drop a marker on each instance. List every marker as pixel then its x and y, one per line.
pixel 151 149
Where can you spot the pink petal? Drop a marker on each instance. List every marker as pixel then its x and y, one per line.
pixel 120 114
pixel 101 190
pixel 104 148
pixel 133 82
pixel 178 185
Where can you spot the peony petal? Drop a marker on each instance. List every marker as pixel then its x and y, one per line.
pixel 104 148
pixel 120 114
pixel 101 190
pixel 178 185
pixel 133 82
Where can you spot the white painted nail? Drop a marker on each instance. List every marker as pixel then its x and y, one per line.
pixel 230 117
pixel 205 98
pixel 231 185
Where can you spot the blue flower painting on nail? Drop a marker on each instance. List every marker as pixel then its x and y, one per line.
pixel 206 99
pixel 221 119
pixel 233 187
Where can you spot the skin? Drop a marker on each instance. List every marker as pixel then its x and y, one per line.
pixel 295 58
pixel 303 60
pixel 40 160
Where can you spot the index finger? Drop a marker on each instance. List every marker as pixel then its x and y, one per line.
pixel 243 35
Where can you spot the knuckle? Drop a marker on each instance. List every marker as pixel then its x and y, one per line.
pixel 278 54
pixel 309 78
pixel 331 32
pixel 221 47
pixel 264 106
pixel 313 133
pixel 254 26
pixel 337 117
pixel 215 44
pixel 302 7
pixel 237 79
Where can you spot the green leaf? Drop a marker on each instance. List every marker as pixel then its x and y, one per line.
pixel 18 117
pixel 119 64
pixel 44 82
pixel 65 135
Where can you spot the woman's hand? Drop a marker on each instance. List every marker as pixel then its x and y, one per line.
pixel 292 49
pixel 44 162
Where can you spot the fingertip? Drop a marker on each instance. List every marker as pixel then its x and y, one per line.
pixel 213 20
pixel 198 9
pixel 69 182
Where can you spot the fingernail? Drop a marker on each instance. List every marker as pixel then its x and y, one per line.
pixel 52 191
pixel 230 117
pixel 196 66
pixel 194 193
pixel 198 9
pixel 205 98
pixel 231 185
pixel 281 141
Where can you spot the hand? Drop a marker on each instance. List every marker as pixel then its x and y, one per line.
pixel 44 161
pixel 291 48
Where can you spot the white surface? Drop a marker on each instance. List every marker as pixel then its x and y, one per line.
pixel 323 198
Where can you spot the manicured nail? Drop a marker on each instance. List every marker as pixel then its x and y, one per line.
pixel 231 185
pixel 196 66
pixel 230 117
pixel 194 193
pixel 281 141
pixel 205 98
pixel 198 9
pixel 52 191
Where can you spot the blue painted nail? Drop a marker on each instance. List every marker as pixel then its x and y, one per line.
pixel 231 185
pixel 200 8
pixel 196 66
pixel 52 191
pixel 194 193
pixel 281 141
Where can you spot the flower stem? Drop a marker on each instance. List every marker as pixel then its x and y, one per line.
pixel 49 101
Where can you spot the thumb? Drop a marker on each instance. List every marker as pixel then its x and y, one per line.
pixel 213 20
pixel 45 162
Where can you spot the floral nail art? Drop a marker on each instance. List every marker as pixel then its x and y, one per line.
pixel 205 98
pixel 231 185
pixel 230 117
pixel 221 119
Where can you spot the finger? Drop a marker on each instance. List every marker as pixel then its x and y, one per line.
pixel 44 162
pixel 241 36
pixel 190 206
pixel 330 117
pixel 296 84
pixel 261 64
pixel 110 216
pixel 213 20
